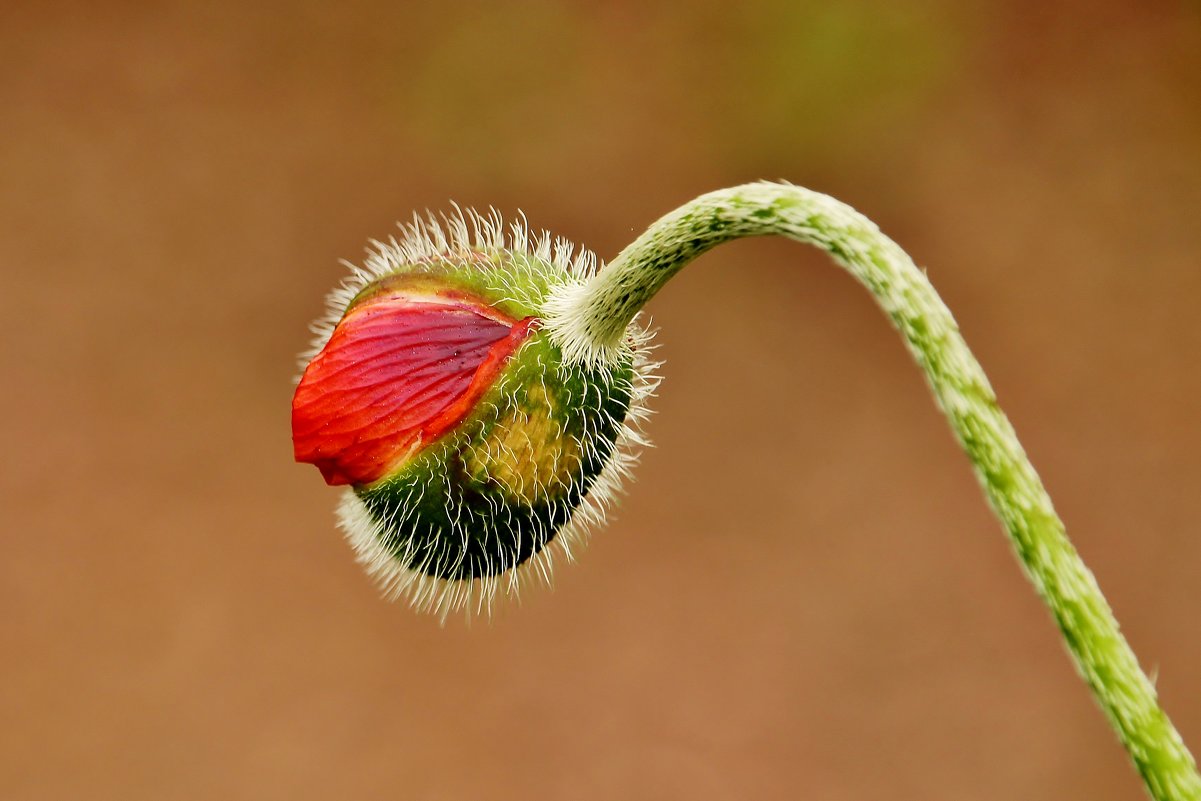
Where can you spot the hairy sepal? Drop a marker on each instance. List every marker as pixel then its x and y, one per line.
pixel 537 462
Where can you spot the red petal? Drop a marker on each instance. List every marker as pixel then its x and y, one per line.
pixel 398 372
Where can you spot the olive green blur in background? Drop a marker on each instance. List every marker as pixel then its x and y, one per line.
pixel 804 595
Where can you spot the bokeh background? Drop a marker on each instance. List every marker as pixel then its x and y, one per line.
pixel 803 596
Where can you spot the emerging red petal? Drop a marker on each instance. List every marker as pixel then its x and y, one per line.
pixel 399 371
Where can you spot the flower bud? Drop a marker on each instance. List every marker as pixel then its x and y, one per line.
pixel 468 443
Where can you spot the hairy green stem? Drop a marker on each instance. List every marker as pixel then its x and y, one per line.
pixel 588 321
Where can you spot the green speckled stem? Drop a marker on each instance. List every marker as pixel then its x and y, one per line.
pixel 588 320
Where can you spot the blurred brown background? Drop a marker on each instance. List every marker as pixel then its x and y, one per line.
pixel 804 595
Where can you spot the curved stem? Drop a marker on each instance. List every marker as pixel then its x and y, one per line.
pixel 588 321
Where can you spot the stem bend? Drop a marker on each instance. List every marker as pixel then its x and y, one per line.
pixel 588 320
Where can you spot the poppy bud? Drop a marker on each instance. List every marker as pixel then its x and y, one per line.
pixel 468 443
